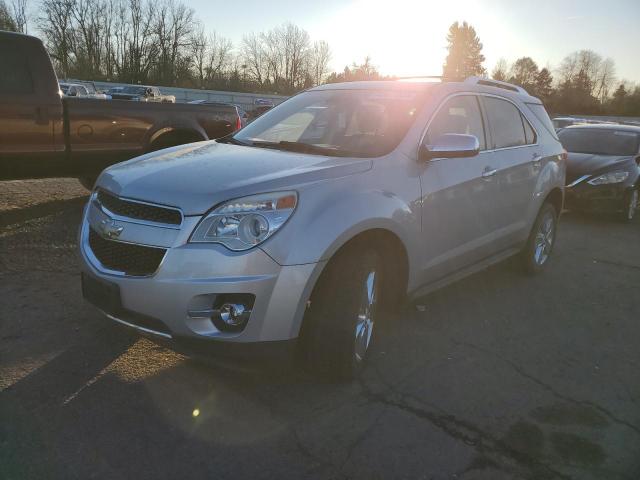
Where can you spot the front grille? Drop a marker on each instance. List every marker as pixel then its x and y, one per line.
pixel 139 211
pixel 135 260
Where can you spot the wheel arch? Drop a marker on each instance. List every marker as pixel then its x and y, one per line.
pixel 556 198
pixel 393 252
pixel 187 133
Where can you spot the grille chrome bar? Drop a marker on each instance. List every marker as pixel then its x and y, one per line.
pixel 137 211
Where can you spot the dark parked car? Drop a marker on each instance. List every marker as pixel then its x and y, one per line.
pixel 142 94
pixel 603 167
pixel 42 134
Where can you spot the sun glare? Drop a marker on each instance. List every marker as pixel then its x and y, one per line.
pixel 403 37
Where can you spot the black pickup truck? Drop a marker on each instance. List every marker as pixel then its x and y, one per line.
pixel 43 134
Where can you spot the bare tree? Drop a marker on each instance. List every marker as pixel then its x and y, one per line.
pixel 319 58
pixel 19 13
pixel 501 70
pixel 606 79
pixel 254 57
pixel 56 25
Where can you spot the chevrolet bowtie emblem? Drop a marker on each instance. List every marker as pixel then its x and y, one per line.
pixel 110 228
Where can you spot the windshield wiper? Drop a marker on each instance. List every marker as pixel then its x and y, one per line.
pixel 230 139
pixel 302 147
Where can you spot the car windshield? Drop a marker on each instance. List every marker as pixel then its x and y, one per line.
pixel 600 141
pixel 134 90
pixel 359 123
pixel 64 88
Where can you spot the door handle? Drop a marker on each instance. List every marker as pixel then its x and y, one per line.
pixel 489 172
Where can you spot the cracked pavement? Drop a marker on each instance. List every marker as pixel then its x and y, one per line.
pixel 500 376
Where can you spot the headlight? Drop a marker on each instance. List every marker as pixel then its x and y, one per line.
pixel 246 222
pixel 611 177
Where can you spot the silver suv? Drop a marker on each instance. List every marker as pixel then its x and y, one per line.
pixel 301 230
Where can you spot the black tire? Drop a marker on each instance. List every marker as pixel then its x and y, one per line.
pixel 630 208
pixel 88 181
pixel 328 338
pixel 532 260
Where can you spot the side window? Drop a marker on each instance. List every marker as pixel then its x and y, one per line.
pixel 16 75
pixel 460 114
pixel 506 123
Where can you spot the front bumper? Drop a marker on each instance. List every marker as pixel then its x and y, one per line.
pixel 169 303
pixel 600 198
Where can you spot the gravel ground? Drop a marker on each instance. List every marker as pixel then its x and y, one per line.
pixel 500 376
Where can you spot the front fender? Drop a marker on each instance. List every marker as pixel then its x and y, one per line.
pixel 328 218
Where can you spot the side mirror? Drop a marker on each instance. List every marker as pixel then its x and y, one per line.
pixel 451 145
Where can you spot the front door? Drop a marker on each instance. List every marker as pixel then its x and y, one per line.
pixel 458 194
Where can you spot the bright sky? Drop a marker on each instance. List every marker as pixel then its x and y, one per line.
pixel 407 37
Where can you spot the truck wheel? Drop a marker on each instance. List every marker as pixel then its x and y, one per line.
pixel 339 324
pixel 88 181
pixel 537 251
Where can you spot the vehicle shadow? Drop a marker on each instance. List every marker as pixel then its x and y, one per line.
pixel 20 215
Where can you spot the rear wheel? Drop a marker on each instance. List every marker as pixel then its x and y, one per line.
pixel 537 251
pixel 339 325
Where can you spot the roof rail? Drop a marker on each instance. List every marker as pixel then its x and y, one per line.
pixel 420 78
pixel 495 83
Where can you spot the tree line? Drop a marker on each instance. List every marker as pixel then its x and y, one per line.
pixel 584 82
pixel 163 42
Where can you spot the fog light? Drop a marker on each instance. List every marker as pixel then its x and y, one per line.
pixel 231 312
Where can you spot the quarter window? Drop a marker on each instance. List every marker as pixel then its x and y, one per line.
pixel 460 114
pixel 530 134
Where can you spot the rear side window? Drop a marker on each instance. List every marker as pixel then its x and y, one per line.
pixel 459 114
pixel 507 124
pixel 542 115
pixel 529 133
pixel 16 75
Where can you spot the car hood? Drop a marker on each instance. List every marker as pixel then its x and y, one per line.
pixel 198 176
pixel 580 164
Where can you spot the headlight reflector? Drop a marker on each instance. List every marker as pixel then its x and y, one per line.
pixel 611 177
pixel 245 222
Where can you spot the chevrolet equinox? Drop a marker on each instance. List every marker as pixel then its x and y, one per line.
pixel 298 232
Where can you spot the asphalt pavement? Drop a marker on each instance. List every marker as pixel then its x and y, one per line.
pixel 499 376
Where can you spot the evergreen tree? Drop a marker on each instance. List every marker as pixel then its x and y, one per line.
pixel 524 73
pixel 465 56
pixel 543 87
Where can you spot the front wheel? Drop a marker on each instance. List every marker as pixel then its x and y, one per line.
pixel 537 251
pixel 339 325
pixel 630 205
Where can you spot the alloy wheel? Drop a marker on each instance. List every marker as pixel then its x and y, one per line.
pixel 366 313
pixel 544 239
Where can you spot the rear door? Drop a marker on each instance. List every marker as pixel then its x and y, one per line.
pixel 457 199
pixel 516 156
